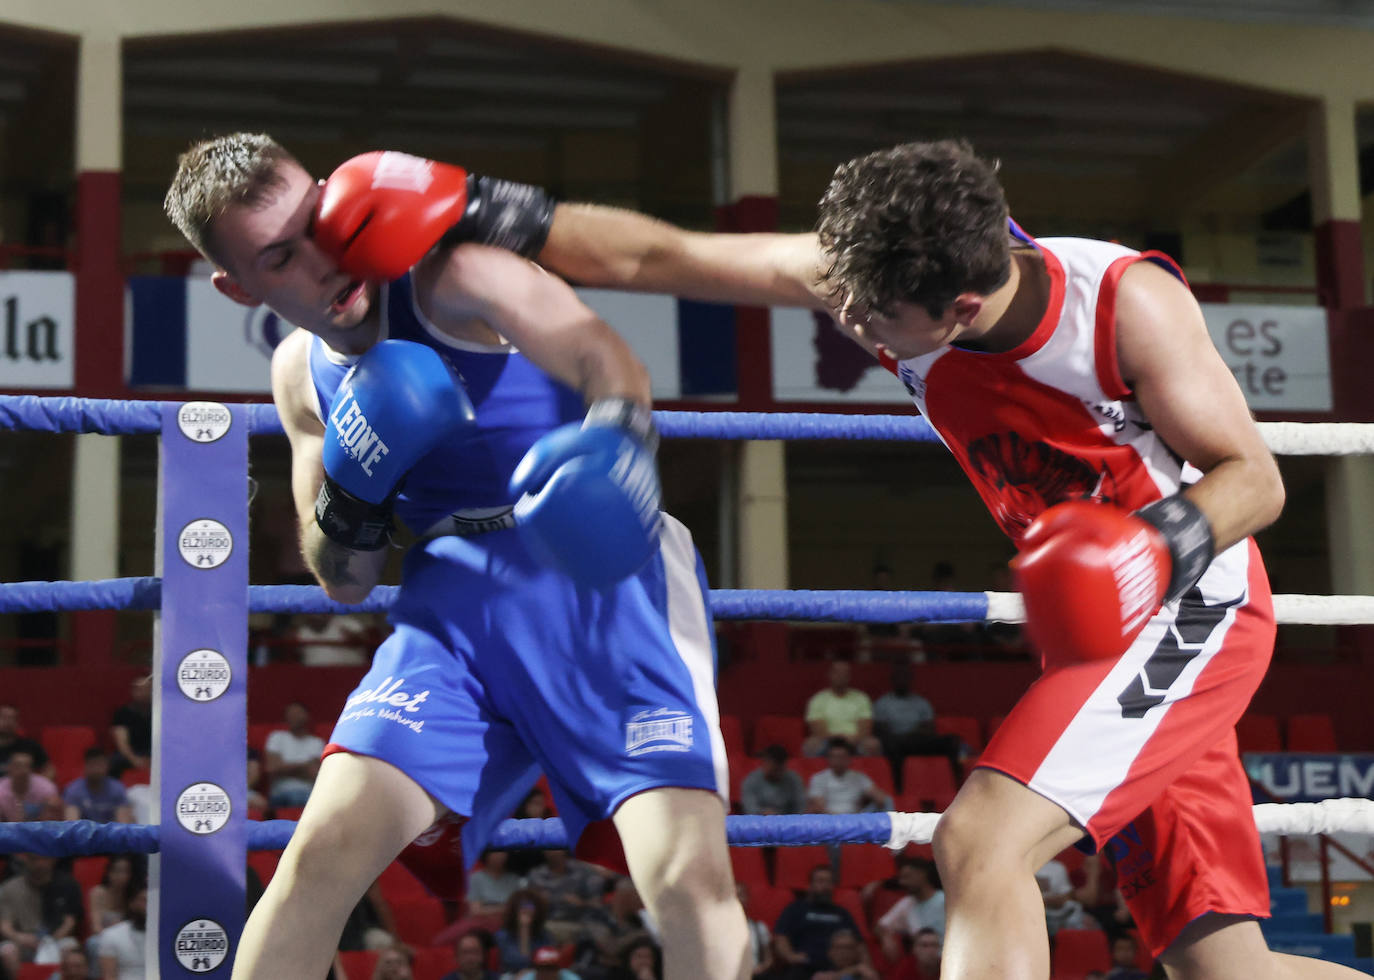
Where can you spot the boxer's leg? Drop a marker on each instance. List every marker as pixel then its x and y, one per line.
pixel 361 813
pixel 1229 947
pixel 674 841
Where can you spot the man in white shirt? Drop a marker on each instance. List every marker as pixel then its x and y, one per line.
pixel 293 758
pixel 122 945
pixel 839 789
pixel 922 907
pixel 1061 911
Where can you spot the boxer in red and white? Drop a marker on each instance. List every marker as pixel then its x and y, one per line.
pixel 1076 384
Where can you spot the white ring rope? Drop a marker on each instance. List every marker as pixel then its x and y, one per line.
pixel 1327 817
pixel 1309 610
pixel 1318 438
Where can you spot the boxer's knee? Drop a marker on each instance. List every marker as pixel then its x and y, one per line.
pixel 675 843
pixel 997 826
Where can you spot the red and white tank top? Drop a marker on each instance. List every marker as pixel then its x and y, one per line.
pixel 1051 420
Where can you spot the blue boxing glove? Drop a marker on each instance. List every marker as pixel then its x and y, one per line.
pixel 396 404
pixel 588 495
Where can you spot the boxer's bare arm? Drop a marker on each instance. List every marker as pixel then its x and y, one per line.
pixel 1194 404
pixel 347 575
pixel 612 248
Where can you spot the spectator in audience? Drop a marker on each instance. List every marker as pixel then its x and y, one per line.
pixel 624 921
pixel 1061 910
pixel 923 963
pixel 922 907
pixel 330 640
pixel 25 795
pixel 890 640
pixel 535 806
pixel 122 944
pixel 1003 640
pixel 393 964
pixel 523 930
pixel 847 959
pixel 293 758
pixel 108 902
pixel 39 907
pixel 11 741
pixel 641 960
pixel 1124 952
pixel 470 952
pixel 904 723
pixel 256 801
pixel 547 964
pixel 491 885
pixel 801 936
pixel 573 890
pixel 74 965
pixel 760 939
pixel 840 789
pixel 772 787
pixel 840 711
pixel 131 729
pixel 97 795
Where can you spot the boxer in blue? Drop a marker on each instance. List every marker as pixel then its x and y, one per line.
pixel 550 617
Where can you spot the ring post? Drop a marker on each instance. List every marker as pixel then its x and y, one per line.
pixel 201 717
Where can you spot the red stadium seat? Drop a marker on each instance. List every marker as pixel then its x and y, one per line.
pixel 264 863
pixel 35 971
pixel 323 729
pixel 258 732
pixel 749 867
pixel 766 904
pixel 288 812
pixel 788 731
pixel 399 884
pixel 864 863
pixel 876 768
pixel 732 731
pixel 88 871
pixel 794 865
pixel 433 962
pixel 1306 733
pixel 418 920
pixel 806 767
pixel 1077 951
pixel 740 766
pixel 136 777
pixel 927 777
pixel 1258 733
pixel 965 727
pixel 66 746
pixel 848 899
pixel 359 965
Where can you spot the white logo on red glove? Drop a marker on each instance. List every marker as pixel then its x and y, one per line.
pixel 402 172
pixel 1137 584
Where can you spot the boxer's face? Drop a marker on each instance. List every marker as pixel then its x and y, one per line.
pixel 270 257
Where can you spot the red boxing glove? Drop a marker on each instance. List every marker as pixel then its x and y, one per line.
pixel 379 213
pixel 1091 575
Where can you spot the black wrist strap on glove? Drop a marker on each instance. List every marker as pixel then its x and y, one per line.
pixel 353 523
pixel 1188 534
pixel 626 414
pixel 504 214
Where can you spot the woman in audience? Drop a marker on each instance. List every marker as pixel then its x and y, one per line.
pixel 523 930
pixel 108 902
pixel 393 964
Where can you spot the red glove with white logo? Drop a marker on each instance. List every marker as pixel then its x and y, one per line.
pixel 1092 575
pixel 381 212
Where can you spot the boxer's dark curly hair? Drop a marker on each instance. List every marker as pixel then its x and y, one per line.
pixel 918 223
pixel 240 168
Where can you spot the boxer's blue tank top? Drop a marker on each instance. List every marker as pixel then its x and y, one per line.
pixel 515 403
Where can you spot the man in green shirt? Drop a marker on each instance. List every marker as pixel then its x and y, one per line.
pixel 840 710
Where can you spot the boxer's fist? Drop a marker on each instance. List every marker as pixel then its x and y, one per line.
pixel 1091 575
pixel 379 213
pixel 588 495
pixel 396 404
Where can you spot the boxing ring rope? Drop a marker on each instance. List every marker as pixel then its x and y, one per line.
pixel 894 830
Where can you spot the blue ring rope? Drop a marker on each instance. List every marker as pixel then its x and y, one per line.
pixel 61 838
pixel 837 606
pixel 114 417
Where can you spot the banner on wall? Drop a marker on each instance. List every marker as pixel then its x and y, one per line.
pixel 1300 777
pixel 1279 354
pixel 37 315
pixel 187 335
